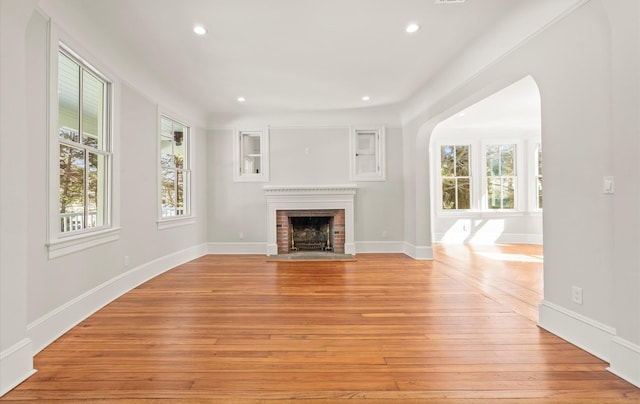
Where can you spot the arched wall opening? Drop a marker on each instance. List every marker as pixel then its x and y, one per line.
pixel 485 170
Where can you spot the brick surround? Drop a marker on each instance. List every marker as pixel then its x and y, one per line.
pixel 282 225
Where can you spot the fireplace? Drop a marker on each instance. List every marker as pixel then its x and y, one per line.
pixel 287 232
pixel 310 230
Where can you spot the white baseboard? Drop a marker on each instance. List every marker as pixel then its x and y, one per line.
pixel 54 324
pixel 380 247
pixel 237 248
pixel 502 238
pixel 588 334
pixel 418 253
pixel 16 365
pixel 625 360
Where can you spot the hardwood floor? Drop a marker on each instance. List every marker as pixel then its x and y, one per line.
pixel 382 328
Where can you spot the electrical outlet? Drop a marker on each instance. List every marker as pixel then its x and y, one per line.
pixel 126 260
pixel 576 295
pixel 241 235
pixel 385 234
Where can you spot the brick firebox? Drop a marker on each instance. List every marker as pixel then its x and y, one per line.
pixel 283 227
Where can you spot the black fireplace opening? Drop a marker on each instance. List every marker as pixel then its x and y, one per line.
pixel 311 233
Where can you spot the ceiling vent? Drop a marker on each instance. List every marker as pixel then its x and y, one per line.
pixel 449 1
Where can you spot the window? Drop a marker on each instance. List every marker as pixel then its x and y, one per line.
pixel 455 172
pixel 174 169
pixel 501 176
pixel 251 151
pixel 539 176
pixel 367 154
pixel 84 146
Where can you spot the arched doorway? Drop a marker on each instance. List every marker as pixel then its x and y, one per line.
pixel 486 192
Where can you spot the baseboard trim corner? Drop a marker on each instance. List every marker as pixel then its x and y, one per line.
pixel 584 332
pixel 625 360
pixel 418 252
pixel 16 365
pixel 216 248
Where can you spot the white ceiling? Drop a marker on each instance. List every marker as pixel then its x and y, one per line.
pixel 287 55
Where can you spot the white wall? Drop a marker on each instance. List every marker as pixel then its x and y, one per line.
pixel 301 155
pixel 579 66
pixel 44 297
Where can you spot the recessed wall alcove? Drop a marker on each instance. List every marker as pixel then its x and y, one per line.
pixel 332 201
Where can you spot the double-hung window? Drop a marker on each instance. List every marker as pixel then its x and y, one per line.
pixel 175 174
pixel 501 176
pixel 456 176
pixel 84 143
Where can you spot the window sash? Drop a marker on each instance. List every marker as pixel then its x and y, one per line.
pixel 174 174
pixel 455 174
pixel 89 108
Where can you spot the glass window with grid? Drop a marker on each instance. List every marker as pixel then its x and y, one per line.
pixel 84 146
pixel 174 169
pixel 501 176
pixel 455 173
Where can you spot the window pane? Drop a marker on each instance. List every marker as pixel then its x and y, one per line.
pixel 179 148
pixel 166 151
pixel 72 174
pixel 539 160
pixel 168 192
pixel 508 193
pixel 251 153
pixel 92 110
pixel 366 162
pixel 448 193
pixel 180 200
pixel 493 162
pixel 464 193
pixel 68 98
pixel 97 191
pixel 494 188
pixel 462 161
pixel 447 160
pixel 540 192
pixel 507 157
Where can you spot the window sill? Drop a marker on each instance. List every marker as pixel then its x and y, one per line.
pixel 486 213
pixel 72 244
pixel 175 222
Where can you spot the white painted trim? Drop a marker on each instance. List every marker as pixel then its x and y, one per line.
pixel 418 252
pixel 584 332
pixel 16 365
pixel 54 324
pixel 625 360
pixel 491 238
pixel 237 248
pixel 72 244
pixel 175 222
pixel 380 247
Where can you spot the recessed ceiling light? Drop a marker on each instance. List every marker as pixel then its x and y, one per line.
pixel 241 99
pixel 411 28
pixel 366 98
pixel 199 30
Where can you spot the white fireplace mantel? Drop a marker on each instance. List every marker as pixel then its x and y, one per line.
pixel 291 197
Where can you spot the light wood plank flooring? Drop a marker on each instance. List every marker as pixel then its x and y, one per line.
pixel 384 328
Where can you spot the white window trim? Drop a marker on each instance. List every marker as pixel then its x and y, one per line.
pixel 381 173
pixel 63 244
pixel 525 165
pixel 263 176
pixel 185 220
pixel 520 198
